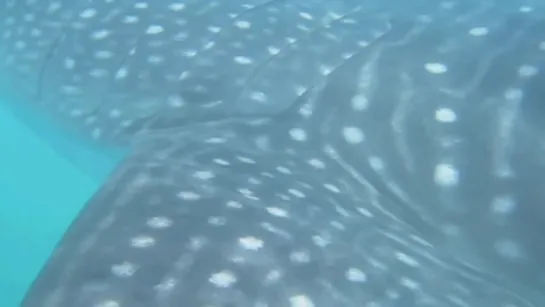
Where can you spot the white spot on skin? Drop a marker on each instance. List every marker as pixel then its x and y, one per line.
pixel 246 160
pixel 376 163
pixel 36 32
pixel 221 162
pixel 251 243
pixel 130 19
pixel 353 135
pixel 141 5
pixel 296 193
pixel 122 73
pixel 96 133
pixel 273 276
pixel 320 241
pixel 445 115
pixel 509 249
pixel 446 175
pixel 542 46
pixel 30 17
pixel 76 113
pixel 526 9
pixel 301 301
pixel 216 140
pixel 217 220
pixel 248 193
pixel 159 222
pixel 125 269
pixel 275 51
pixel 243 60
pixel 316 163
pixel 208 45
pixel 166 285
pixel 407 259
pixel 196 243
pixel 332 188
pixel 100 34
pixel 306 110
pixel 277 211
pixel 478 31
pixel 53 7
pixel 503 205
pixel 223 279
pixel 528 71
pixel 451 230
pixel 513 94
pixel 176 7
pixel 253 180
pixel 359 102
pixel 258 96
pixel 242 24
pixel 214 29
pixel 325 70
pixel 175 101
pixel 20 45
pixel 409 283
pixel 142 241
pixel 436 68
pixel 89 120
pixel 300 90
pixel 88 13
pixel 204 175
pixel 299 257
pixel 103 54
pixel 298 134
pixel 69 63
pixel 306 16
pixel 233 204
pixel 447 5
pixel 98 73
pixel 262 142
pixel 355 275
pixel 154 29
pixel 125 123
pixel 156 59
pixel 283 170
pixel 188 195
pixel 108 303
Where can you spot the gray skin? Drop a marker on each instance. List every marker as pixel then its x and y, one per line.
pixel 393 158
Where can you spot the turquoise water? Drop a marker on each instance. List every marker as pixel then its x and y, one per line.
pixel 46 176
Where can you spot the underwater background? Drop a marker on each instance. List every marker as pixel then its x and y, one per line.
pixel 46 176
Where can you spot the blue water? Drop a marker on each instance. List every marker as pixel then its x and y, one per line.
pixel 46 176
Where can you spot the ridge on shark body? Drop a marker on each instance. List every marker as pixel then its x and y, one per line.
pixel 395 162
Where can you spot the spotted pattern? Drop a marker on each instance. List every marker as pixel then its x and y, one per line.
pixel 406 173
pixel 118 68
pixel 321 240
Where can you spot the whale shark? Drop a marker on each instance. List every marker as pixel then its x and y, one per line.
pixel 122 67
pixel 295 153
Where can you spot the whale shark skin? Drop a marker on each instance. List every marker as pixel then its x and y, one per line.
pixel 115 68
pixel 362 154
